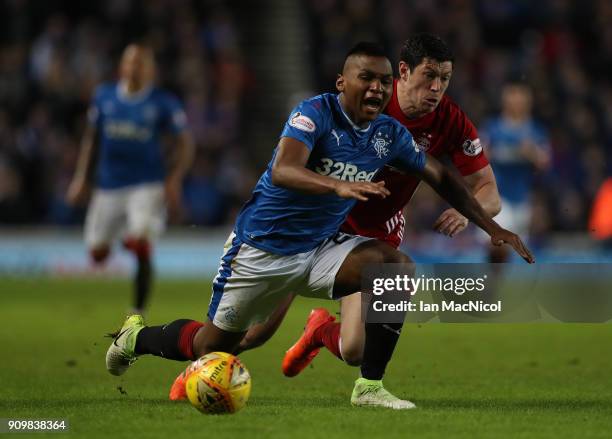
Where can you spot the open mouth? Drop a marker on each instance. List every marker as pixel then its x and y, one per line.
pixel 373 103
pixel 432 101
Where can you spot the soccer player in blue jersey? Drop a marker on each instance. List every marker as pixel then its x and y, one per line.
pixel 518 149
pixel 121 155
pixel 286 237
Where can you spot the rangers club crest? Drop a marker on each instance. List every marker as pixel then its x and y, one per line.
pixel 231 314
pixel 380 143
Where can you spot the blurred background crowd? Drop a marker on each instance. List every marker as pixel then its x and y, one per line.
pixel 53 54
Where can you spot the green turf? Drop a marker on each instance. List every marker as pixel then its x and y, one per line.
pixel 479 380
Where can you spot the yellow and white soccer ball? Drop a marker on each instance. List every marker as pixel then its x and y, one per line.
pixel 218 384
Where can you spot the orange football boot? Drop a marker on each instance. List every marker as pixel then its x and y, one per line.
pixel 304 350
pixel 177 391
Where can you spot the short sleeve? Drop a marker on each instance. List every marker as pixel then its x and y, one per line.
pixel 305 123
pixel 467 153
pixel 409 158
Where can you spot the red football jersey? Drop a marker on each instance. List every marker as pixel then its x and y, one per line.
pixel 445 131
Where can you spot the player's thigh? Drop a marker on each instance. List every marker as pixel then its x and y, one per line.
pixel 146 211
pixel 348 277
pixel 352 329
pixel 325 264
pixel 105 218
pixel 251 284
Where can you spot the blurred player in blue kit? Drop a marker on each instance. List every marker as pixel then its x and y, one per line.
pixel 286 238
pixel 122 156
pixel 518 149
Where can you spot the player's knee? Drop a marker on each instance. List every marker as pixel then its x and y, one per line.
pixel 209 339
pixel 401 258
pixel 99 255
pixel 200 345
pixel 200 351
pixel 390 255
pixel 140 247
pixel 353 356
pixel 252 341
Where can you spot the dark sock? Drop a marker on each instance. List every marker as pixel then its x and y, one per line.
pixel 173 341
pixel 380 341
pixel 142 281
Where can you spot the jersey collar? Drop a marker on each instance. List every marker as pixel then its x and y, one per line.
pixel 132 98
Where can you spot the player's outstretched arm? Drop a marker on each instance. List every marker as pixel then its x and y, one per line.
pixel 179 166
pixel 289 171
pixel 80 186
pixel 453 190
pixel 483 186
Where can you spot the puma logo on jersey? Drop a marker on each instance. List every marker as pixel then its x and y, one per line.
pixel 335 134
pixel 343 171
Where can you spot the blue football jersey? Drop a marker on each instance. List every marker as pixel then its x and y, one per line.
pixel 513 172
pixel 287 222
pixel 129 130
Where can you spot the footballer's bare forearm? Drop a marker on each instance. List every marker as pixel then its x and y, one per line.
pixel 183 157
pixel 289 170
pixel 86 162
pixel 301 179
pixel 457 194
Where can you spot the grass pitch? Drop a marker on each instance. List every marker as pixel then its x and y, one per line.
pixel 468 381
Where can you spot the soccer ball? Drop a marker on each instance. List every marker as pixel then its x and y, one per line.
pixel 218 384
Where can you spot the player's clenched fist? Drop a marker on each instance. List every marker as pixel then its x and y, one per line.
pixel 360 190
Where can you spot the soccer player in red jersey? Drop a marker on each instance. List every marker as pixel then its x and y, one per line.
pixel 440 128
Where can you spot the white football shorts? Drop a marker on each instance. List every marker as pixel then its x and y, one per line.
pixel 134 211
pixel 251 282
